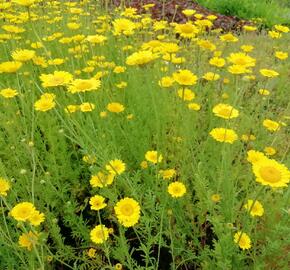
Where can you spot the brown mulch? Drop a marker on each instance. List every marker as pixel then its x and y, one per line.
pixel 227 23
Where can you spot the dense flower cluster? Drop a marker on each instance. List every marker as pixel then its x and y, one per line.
pixel 139 137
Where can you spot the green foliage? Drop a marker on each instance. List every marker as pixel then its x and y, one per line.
pixel 270 12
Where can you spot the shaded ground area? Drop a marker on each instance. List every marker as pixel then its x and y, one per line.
pixel 169 11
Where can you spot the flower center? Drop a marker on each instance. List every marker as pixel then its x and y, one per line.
pixel 57 80
pixel 270 174
pixel 24 212
pixel 187 29
pixel 100 234
pixel 84 85
pixel 127 210
pixel 226 112
pixel 177 190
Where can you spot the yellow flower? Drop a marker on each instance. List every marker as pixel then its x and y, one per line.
pixel 28 240
pixel 118 266
pixel 153 156
pixel 184 77
pixel 36 45
pixel 13 29
pixel 10 66
pixel 237 69
pixel 103 114
pixel 167 174
pixel 225 111
pixel 8 93
pixel 159 25
pixel 193 106
pixel 121 85
pixel 210 76
pixel 249 28
pixel 91 252
pixel 224 135
pixel 186 94
pixel 228 38
pixel 202 24
pixel 101 180
pixel 141 58
pixel 206 44
pixel 71 108
pixel 255 156
pixel 264 92
pixel 81 85
pixel 39 61
pixel 216 198
pixel 176 189
pixel 97 202
pixel 242 59
pixel 248 137
pixel 269 73
pixel 90 159
pixel 211 17
pixel 186 30
pixel 144 164
pixel 172 58
pixel 249 78
pixel 255 209
pixel 56 61
pixel 166 82
pixel 4 186
pixel 99 234
pixel 22 211
pixel 243 240
pixel 247 48
pixel 73 25
pixel 148 6
pixel 128 212
pixel 25 3
pixel 36 218
pixel 56 79
pixel 123 26
pixel 87 107
pixel 281 55
pixel 45 103
pixel 217 61
pixel 270 151
pixel 271 125
pixel 116 166
pixel 129 12
pixel 188 12
pixel 23 55
pixel 198 16
pixel 96 39
pixel 152 45
pixel 272 173
pixel 5 5
pixel 115 107
pixel 281 28
pixel 119 69
pixel 274 34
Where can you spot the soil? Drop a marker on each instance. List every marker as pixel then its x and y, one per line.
pixel 168 11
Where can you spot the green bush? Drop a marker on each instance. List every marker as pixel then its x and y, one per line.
pixel 271 12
